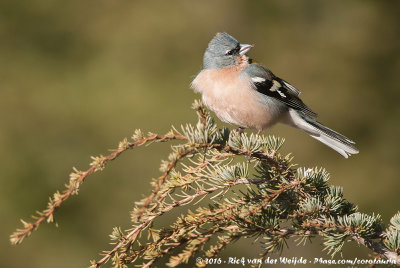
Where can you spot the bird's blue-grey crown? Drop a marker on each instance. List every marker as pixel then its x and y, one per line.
pixel 223 52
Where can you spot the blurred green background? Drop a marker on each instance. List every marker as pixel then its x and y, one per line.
pixel 76 77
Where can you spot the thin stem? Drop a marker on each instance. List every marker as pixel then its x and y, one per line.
pixel 377 248
pixel 131 236
pixel 48 214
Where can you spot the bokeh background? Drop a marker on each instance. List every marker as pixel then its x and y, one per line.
pixel 76 77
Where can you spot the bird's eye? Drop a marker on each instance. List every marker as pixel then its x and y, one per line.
pixel 230 52
pixel 233 51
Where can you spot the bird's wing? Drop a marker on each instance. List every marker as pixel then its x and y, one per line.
pixel 265 82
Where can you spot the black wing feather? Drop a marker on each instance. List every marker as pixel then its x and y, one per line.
pixel 277 88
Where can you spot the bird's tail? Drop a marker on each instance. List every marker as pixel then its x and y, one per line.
pixel 327 136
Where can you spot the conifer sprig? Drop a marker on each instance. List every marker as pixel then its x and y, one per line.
pixel 251 191
pixel 77 177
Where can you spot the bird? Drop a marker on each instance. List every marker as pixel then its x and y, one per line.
pixel 242 92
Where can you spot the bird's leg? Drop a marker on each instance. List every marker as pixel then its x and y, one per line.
pixel 259 132
pixel 204 154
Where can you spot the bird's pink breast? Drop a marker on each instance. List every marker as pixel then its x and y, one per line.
pixel 232 98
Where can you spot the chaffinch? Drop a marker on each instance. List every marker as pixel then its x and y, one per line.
pixel 244 93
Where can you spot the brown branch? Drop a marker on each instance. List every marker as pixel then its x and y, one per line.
pixel 206 236
pixel 281 167
pixel 160 182
pixel 366 242
pixel 163 177
pixel 262 156
pixel 153 206
pixel 55 203
pixel 131 236
pixel 377 248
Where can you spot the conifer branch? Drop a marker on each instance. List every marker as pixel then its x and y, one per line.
pixel 378 248
pixel 77 178
pixel 130 237
pixel 280 201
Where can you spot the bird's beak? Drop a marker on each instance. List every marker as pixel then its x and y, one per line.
pixel 244 48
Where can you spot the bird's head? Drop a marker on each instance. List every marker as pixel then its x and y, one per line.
pixel 224 51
